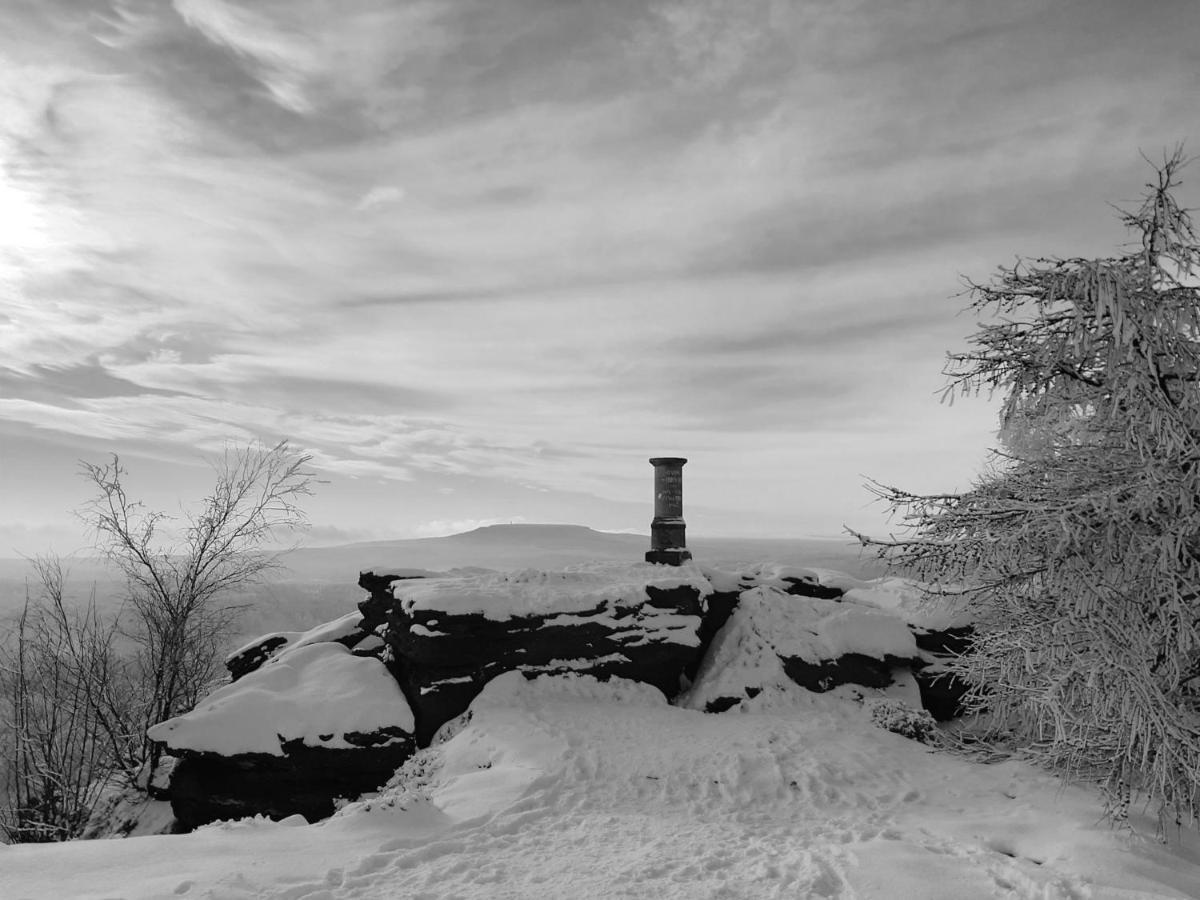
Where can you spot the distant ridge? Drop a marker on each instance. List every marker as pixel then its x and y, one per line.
pixel 500 547
pixel 521 546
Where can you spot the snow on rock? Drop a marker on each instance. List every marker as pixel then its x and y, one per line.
pixel 570 786
pixel 254 743
pixel 312 724
pixel 128 809
pixel 516 689
pixel 773 638
pixel 451 636
pixel 496 752
pixel 316 693
pixel 532 592
pixel 905 599
pixel 350 630
pixel 503 750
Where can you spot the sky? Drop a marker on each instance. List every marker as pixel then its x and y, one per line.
pixel 483 258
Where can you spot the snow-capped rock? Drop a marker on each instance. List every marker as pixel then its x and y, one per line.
pixel 331 712
pixel 451 636
pixel 313 723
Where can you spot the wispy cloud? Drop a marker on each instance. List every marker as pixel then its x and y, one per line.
pixel 442 527
pixel 526 242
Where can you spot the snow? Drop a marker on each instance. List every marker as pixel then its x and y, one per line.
pixel 339 628
pixel 901 597
pixel 418 628
pixel 316 693
pixel 816 629
pixel 345 626
pixel 503 595
pixel 287 636
pixel 589 662
pixel 569 787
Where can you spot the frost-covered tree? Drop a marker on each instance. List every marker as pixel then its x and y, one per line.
pixel 1078 551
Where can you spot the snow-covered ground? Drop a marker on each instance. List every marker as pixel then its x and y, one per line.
pixel 569 788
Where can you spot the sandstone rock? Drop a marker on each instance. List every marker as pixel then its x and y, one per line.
pixel 332 712
pixel 352 631
pixel 849 668
pixel 307 780
pixel 246 659
pixel 449 637
pixel 941 691
pixel 374 607
pixel 775 640
pixel 810 587
pixel 313 723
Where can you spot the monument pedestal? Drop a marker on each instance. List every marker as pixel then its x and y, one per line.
pixel 675 556
pixel 668 541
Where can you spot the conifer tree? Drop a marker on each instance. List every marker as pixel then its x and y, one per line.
pixel 1078 551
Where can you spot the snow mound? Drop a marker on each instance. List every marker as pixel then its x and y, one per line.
pixel 816 630
pixel 568 787
pixel 746 654
pixel 339 628
pixel 902 597
pixel 514 689
pixel 317 693
pixel 533 592
pixel 778 576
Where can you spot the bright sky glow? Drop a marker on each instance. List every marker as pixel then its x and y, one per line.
pixel 484 259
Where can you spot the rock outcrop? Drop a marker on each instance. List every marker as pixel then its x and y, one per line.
pixel 450 637
pixel 320 717
pixel 775 640
pixel 313 716
pixel 307 780
pixel 941 692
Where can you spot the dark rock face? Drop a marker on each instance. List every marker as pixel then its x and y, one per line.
pixel 780 633
pixel 951 641
pixel 941 692
pixel 250 657
pixel 443 659
pixel 378 602
pixel 721 704
pixel 807 587
pixel 850 668
pixel 206 787
pixel 310 774
pixel 354 632
pixel 719 607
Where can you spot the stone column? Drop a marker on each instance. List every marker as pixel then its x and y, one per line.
pixel 667 542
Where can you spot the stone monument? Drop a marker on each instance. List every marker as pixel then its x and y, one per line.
pixel 667 542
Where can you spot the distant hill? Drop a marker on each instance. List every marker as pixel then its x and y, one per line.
pixel 548 546
pixel 318 583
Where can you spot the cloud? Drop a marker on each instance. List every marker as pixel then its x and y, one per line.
pixel 380 195
pixel 68 382
pixel 348 69
pixel 442 241
pixel 329 535
pixel 443 527
pixel 284 62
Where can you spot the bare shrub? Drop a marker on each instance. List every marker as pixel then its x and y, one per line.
pixel 83 689
pixel 61 750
